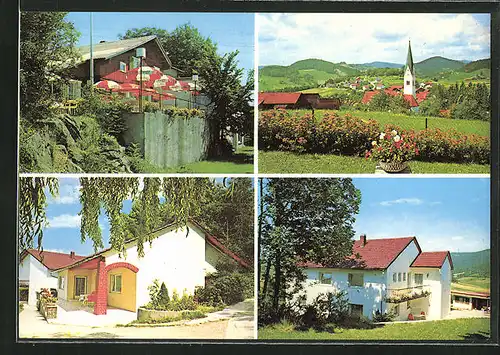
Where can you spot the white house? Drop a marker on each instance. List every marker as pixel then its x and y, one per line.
pixel 180 259
pixel 35 269
pixel 390 275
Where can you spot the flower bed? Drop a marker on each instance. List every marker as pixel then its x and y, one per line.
pixel 297 132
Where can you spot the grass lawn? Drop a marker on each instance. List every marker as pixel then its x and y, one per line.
pixel 467 329
pixel 240 163
pixel 286 162
pixel 473 284
pixel 417 123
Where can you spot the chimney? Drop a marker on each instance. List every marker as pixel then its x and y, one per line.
pixel 362 238
pixel 72 254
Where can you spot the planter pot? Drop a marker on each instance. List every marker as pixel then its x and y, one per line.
pixel 50 311
pixel 393 166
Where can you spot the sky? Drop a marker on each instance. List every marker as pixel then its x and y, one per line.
pixel 231 31
pixel 63 231
pixel 362 38
pixel 443 213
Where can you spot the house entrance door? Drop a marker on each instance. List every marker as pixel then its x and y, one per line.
pixel 80 286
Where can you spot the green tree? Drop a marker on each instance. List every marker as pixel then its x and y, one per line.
pixel 303 220
pixel 185 45
pixel 47 52
pixel 231 110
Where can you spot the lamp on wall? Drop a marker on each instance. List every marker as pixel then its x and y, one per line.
pixel 140 53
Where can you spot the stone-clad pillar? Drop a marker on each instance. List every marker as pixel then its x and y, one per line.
pixel 101 303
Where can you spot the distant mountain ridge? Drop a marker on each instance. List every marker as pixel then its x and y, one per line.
pixel 382 65
pixel 472 263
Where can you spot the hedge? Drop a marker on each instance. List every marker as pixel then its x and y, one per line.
pixel 347 135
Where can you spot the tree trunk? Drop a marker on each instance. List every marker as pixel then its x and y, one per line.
pixel 259 237
pixel 266 279
pixel 277 282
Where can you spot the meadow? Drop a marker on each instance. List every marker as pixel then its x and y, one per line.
pixel 275 162
pixel 472 284
pixel 466 329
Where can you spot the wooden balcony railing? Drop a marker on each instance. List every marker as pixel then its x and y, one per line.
pixel 398 295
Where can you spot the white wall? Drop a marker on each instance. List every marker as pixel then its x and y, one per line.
pixel 174 258
pixel 24 268
pixel 402 264
pixel 370 295
pixel 39 277
pixel 432 279
pixel 446 275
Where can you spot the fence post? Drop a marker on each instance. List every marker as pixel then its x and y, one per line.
pixel 426 123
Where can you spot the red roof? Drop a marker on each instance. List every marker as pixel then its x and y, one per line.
pixel 395 87
pixel 218 245
pixel 432 259
pixel 276 98
pixel 421 96
pixel 375 254
pixel 471 294
pixel 53 260
pixel 368 96
pixel 411 100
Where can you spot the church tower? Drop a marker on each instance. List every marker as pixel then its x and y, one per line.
pixel 409 77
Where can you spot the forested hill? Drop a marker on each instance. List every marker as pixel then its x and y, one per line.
pixel 472 264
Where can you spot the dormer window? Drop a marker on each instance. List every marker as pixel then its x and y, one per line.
pixel 123 67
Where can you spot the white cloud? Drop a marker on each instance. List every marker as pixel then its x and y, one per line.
pixel 360 38
pixel 457 238
pixel 409 201
pixel 435 203
pixel 68 194
pixel 63 251
pixel 64 221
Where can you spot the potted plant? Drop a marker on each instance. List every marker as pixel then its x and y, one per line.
pixel 393 150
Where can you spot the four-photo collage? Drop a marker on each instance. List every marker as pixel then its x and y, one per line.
pixel 266 176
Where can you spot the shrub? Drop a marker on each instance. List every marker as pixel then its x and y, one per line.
pixel 384 317
pixel 154 293
pixel 225 289
pixel 163 297
pixel 23 293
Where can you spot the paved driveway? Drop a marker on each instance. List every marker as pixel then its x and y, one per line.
pixel 237 324
pixel 454 314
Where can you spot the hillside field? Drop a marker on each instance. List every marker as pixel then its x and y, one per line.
pixel 473 284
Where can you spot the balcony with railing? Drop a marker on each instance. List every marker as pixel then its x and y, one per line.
pixel 398 295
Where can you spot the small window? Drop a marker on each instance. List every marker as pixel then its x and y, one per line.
pixel 325 278
pixel 399 277
pixel 427 276
pixel 356 280
pixel 394 277
pixel 407 82
pixel 407 304
pixel 116 283
pixel 61 283
pixel 404 276
pixel 123 67
pixel 419 279
pixel 134 62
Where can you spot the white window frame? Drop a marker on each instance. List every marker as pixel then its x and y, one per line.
pixel 86 284
pixel 404 276
pixel 112 281
pixel 61 283
pixel 399 277
pixel 123 67
pixel 422 278
pixel 394 277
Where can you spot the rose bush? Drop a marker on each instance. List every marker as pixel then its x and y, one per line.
pixel 298 132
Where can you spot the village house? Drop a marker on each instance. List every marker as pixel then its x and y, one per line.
pixel 408 90
pixel 36 267
pixel 390 275
pixel 467 300
pixel 180 258
pixel 289 100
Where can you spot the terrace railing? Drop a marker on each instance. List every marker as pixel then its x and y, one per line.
pixel 398 295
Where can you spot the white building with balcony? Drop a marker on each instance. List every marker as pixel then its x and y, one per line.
pixel 385 275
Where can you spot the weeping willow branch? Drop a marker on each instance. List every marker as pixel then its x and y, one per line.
pixel 32 205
